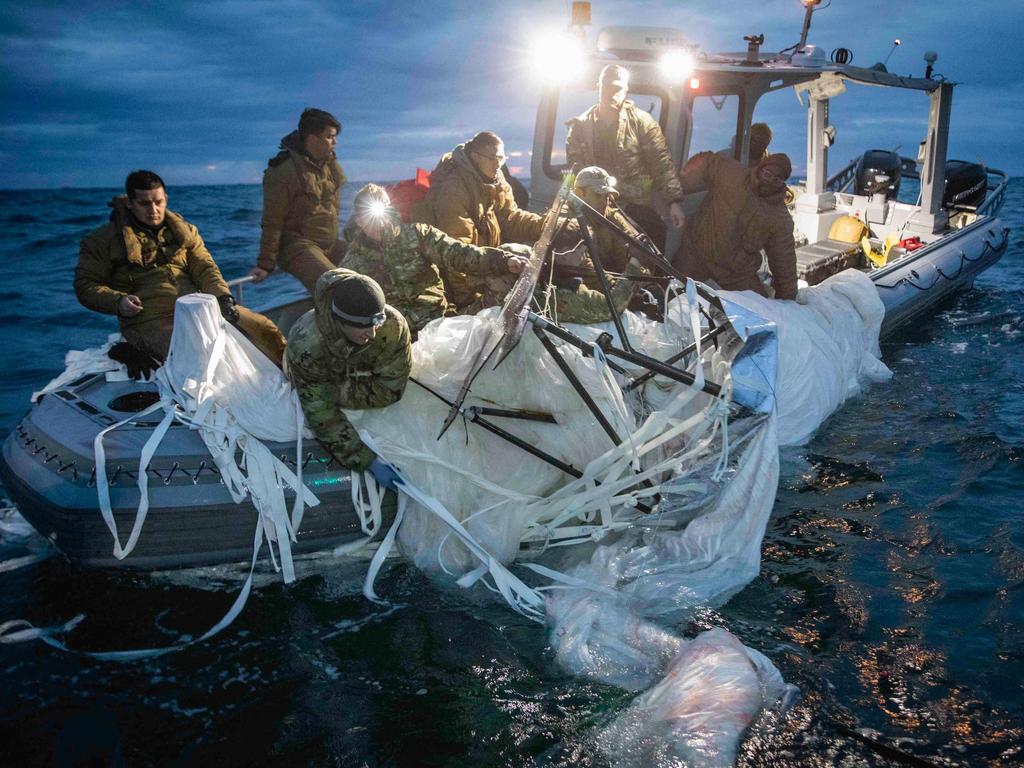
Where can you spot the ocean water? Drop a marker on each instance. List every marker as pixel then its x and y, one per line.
pixel 891 590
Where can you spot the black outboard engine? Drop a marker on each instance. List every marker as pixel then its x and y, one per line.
pixel 875 163
pixel 966 185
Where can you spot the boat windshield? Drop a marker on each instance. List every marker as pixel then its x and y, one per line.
pixel 714 123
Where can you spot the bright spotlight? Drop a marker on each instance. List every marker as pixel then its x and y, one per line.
pixel 676 66
pixel 378 209
pixel 558 58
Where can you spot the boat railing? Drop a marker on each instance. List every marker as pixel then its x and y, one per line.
pixel 842 179
pixel 237 287
pixel 997 183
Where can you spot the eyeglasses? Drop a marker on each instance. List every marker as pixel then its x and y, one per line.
pixel 499 158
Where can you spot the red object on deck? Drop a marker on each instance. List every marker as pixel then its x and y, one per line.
pixel 406 193
pixel 911 243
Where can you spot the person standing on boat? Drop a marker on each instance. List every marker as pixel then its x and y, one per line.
pixel 301 201
pixel 137 265
pixel 352 351
pixel 627 142
pixel 405 259
pixel 470 200
pixel 743 213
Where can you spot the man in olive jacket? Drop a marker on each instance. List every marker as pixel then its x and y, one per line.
pixel 350 351
pixel 405 259
pixel 137 265
pixel 743 212
pixel 301 200
pixel 628 143
pixel 470 200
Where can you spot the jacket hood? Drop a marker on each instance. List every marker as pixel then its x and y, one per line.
pixel 330 331
pixel 772 160
pixel 293 141
pixel 460 157
pixel 125 222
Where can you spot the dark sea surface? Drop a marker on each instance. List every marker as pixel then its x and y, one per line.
pixel 891 590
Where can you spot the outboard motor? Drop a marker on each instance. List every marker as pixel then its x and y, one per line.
pixel 875 163
pixel 966 185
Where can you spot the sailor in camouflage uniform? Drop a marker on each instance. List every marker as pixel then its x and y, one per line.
pixel 628 143
pixel 301 200
pixel 407 260
pixel 350 351
pixel 581 300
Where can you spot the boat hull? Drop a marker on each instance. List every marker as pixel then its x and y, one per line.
pixel 47 467
pixel 916 284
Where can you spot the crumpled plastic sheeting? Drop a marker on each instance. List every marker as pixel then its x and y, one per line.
pixel 667 574
pixel 828 348
pixel 481 479
pixel 260 399
pixel 706 691
pixel 711 692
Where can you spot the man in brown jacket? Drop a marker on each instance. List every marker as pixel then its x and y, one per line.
pixel 743 212
pixel 628 143
pixel 137 265
pixel 470 200
pixel 301 200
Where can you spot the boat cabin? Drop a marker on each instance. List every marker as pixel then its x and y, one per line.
pixel 696 95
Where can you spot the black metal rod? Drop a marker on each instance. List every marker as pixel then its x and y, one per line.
pixel 650 250
pixel 571 338
pixel 494 429
pixel 577 384
pixel 506 413
pixel 661 369
pixel 606 289
pixel 643 379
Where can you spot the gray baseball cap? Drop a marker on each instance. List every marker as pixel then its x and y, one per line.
pixel 596 179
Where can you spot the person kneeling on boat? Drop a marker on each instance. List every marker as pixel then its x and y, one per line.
pixel 352 351
pixel 406 260
pixel 577 289
pixel 743 213
pixel 137 265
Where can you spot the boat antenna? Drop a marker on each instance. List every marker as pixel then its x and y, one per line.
pixel 895 44
pixel 811 6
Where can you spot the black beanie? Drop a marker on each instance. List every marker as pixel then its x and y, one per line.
pixel 358 301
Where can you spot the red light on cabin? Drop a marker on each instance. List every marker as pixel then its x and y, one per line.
pixel 694 83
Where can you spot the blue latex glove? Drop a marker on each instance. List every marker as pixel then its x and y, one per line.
pixel 385 474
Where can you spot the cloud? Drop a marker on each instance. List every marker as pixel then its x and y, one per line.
pixel 90 88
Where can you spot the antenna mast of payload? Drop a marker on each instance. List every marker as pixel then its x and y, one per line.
pixel 811 6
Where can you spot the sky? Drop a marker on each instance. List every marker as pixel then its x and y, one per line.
pixel 203 92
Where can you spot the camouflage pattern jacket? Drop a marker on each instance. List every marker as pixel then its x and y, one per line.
pixel 723 240
pixel 301 200
pixel 615 251
pixel 330 373
pixel 409 266
pixel 587 306
pixel 639 160
pixel 466 206
pixel 124 257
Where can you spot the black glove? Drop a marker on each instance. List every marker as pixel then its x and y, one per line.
pixel 228 308
pixel 140 364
